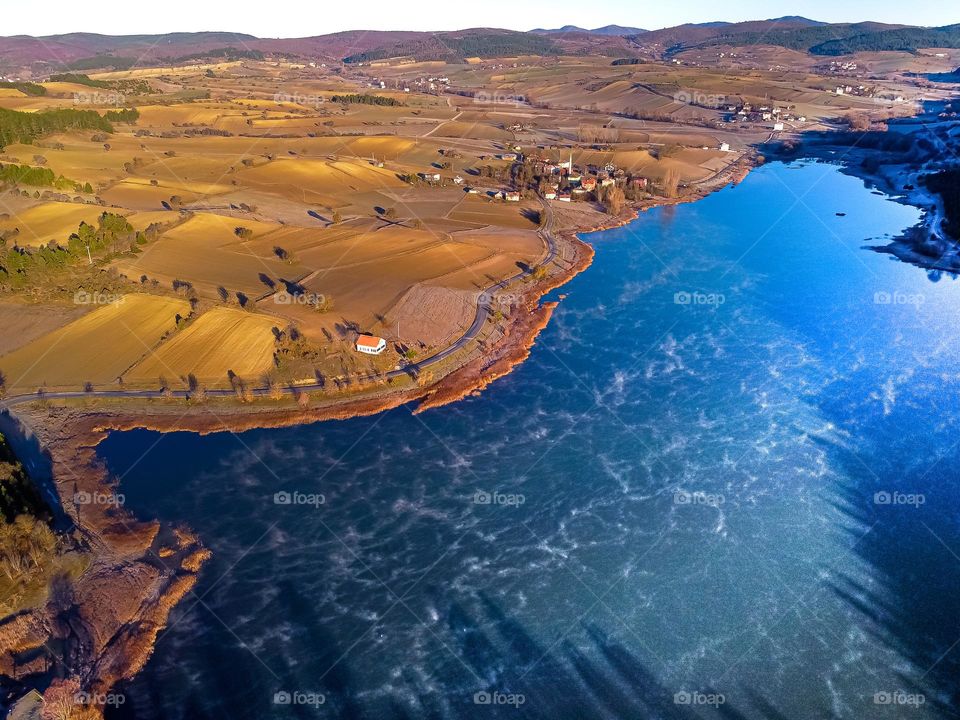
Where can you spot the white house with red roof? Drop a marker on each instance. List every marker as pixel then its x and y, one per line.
pixel 371 344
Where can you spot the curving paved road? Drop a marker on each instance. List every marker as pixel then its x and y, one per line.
pixel 484 307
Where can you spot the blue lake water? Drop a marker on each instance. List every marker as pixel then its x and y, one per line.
pixel 724 485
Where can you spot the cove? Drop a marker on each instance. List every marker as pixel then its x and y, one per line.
pixel 723 485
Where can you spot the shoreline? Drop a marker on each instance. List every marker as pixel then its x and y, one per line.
pixel 141 569
pixel 925 245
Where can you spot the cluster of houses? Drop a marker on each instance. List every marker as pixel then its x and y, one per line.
pixel 760 113
pixel 423 84
pixel 864 91
pixel 575 182
pixel 836 67
pixel 580 183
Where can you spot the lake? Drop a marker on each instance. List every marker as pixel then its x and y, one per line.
pixel 723 485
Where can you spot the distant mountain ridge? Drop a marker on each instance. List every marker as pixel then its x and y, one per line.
pixel 615 30
pixel 90 51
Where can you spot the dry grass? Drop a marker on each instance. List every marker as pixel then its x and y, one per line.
pixel 48 221
pixel 24 323
pixel 218 342
pixel 96 348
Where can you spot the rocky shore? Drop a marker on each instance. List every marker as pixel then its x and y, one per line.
pixel 895 158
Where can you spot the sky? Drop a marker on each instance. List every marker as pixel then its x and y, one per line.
pixel 299 18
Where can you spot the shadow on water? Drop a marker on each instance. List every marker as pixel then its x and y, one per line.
pixel 903 525
pixel 490 653
pixel 913 600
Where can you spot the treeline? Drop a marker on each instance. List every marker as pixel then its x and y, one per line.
pixel 24 127
pixel 224 53
pixel 99 62
pixel 838 39
pixel 27 543
pixel 947 184
pixel 79 79
pixel 36 176
pixel 127 115
pixel 358 99
pixel 131 85
pixel 18 496
pixel 113 233
pixel 905 40
pixel 27 88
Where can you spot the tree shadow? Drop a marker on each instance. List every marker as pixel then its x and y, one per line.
pixel 911 603
pixel 268 281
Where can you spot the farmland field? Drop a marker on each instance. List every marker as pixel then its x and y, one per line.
pixel 253 201
pixel 97 348
pixel 42 223
pixel 220 341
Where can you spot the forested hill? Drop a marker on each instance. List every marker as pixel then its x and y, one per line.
pixel 456 46
pixel 837 39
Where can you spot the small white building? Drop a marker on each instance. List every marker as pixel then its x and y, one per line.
pixel 550 195
pixel 371 344
pixel 458 180
pixel 777 127
pixel 724 147
pixel 513 197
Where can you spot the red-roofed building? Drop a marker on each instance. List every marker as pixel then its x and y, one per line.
pixel 371 344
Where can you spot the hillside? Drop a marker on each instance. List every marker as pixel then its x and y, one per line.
pixel 89 51
pixel 456 46
pixel 65 50
pixel 904 39
pixel 804 35
pixel 683 37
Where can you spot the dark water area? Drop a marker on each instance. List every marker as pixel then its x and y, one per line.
pixel 724 485
pixel 944 77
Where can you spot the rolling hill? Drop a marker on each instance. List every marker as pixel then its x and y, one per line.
pixel 458 45
pixel 802 34
pixel 89 51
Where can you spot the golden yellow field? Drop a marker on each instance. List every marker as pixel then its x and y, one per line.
pixel 97 348
pixel 42 223
pixel 218 342
pixel 24 322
